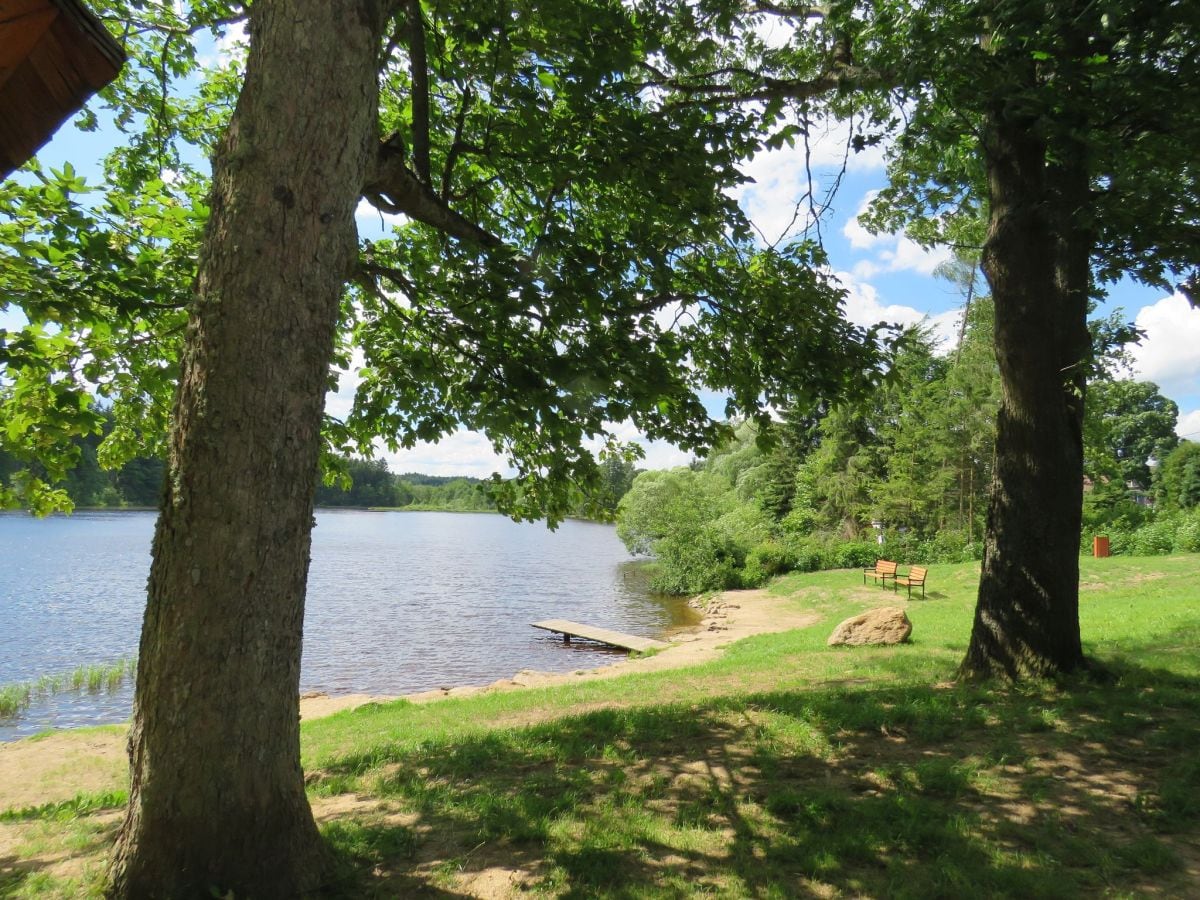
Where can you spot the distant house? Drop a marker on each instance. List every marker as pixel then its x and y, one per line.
pixel 54 54
pixel 1139 494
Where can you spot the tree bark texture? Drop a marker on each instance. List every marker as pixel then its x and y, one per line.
pixel 1036 259
pixel 217 796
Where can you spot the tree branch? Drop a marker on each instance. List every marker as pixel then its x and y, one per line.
pixel 144 26
pixel 394 188
pixel 420 90
pixel 837 78
pixel 456 146
pixel 807 11
pixel 368 270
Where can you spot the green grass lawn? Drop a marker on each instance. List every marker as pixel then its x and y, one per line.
pixel 787 768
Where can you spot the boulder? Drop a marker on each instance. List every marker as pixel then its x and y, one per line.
pixel 886 625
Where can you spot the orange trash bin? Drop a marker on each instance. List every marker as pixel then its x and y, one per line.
pixel 1100 547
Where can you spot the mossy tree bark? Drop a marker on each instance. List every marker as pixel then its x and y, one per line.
pixel 217 795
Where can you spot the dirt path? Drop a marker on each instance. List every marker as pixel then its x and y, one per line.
pixel 59 766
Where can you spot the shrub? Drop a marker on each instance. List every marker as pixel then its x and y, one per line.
pixel 853 555
pixel 807 554
pixel 697 561
pixel 1187 533
pixel 1169 533
pixel 949 547
pixel 1154 538
pixel 766 560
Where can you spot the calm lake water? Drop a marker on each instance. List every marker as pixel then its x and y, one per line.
pixel 397 602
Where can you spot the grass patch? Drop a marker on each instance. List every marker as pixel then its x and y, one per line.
pixel 79 805
pixel 16 698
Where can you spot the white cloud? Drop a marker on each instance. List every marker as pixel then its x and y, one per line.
pixel 471 453
pixel 910 256
pixel 338 403
pixel 774 31
pixel 462 453
pixel 375 223
pixel 12 318
pixel 856 233
pixel 658 454
pixel 230 46
pixel 864 308
pixel 1188 425
pixel 892 252
pixel 780 182
pixel 945 327
pixel 661 455
pixel 1168 354
pixel 827 139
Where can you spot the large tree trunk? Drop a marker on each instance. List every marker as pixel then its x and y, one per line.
pixel 1036 261
pixel 217 797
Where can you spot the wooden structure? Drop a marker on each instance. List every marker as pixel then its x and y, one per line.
pixel 54 54
pixel 601 635
pixel 881 571
pixel 916 576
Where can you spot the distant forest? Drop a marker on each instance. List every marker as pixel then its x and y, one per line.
pixel 371 484
pixel 367 483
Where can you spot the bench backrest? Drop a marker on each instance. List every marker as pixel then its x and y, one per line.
pixel 916 574
pixel 885 567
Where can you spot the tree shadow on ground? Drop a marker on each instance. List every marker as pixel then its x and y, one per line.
pixel 72 843
pixel 903 791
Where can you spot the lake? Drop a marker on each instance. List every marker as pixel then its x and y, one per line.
pixel 397 602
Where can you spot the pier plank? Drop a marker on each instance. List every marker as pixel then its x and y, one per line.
pixel 602 635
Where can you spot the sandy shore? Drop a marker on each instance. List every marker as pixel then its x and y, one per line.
pixel 61 765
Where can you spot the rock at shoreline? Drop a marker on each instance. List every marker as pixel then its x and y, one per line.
pixel 885 625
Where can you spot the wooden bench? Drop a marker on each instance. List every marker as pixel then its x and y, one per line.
pixel 882 571
pixel 915 577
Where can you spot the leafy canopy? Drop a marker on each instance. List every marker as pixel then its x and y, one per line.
pixel 568 257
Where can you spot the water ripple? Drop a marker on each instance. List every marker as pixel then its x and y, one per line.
pixel 397 602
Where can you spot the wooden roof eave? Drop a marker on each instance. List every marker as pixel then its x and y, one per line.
pixel 54 55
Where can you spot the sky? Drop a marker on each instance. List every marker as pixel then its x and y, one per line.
pixel 888 278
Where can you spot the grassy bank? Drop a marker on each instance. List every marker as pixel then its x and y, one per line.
pixel 784 768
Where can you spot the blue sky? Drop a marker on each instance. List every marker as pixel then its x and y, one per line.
pixel 887 277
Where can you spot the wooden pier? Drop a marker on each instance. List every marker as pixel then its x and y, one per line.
pixel 601 635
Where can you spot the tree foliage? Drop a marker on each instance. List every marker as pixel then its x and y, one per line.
pixel 1129 426
pixel 1178 481
pixel 518 297
pixel 911 465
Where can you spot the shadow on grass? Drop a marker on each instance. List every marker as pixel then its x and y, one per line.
pixel 901 791
pixel 79 839
pixel 15 873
